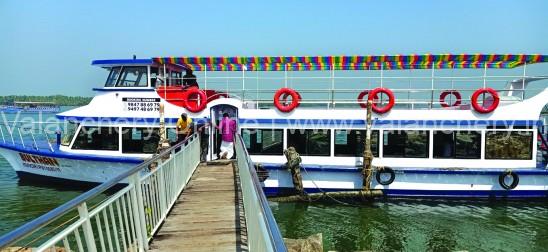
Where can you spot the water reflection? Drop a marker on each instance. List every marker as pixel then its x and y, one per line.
pixel 420 225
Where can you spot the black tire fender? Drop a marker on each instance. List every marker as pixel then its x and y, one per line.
pixel 515 180
pixel 385 170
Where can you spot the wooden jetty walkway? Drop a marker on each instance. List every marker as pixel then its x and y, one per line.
pixel 185 204
pixel 208 215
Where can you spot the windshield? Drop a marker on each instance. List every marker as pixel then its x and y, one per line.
pixel 133 76
pixel 113 76
pixel 69 133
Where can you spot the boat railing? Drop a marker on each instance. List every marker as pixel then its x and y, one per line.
pixel 344 98
pixel 263 233
pixel 411 92
pixel 30 135
pixel 110 218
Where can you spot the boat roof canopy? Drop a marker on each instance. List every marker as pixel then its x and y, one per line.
pixel 118 62
pixel 367 62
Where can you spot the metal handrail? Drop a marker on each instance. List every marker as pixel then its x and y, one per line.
pixel 30 227
pixel 47 139
pixel 21 137
pixel 275 240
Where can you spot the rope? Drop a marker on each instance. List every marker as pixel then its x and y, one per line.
pixel 325 193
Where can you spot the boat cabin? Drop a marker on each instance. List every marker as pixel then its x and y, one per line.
pixel 140 73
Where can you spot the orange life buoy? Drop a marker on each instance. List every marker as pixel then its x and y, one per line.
pixel 374 95
pixel 195 105
pixel 361 96
pixel 283 107
pixel 481 108
pixel 448 92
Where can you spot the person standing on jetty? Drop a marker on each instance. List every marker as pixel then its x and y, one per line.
pixel 227 128
pixel 183 127
pixel 204 140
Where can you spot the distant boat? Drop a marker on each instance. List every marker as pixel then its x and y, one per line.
pixel 30 107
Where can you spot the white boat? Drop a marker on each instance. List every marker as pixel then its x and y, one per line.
pixel 443 125
pixel 30 107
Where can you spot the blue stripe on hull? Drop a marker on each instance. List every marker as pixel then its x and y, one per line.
pixel 377 122
pixel 275 191
pixel 482 171
pixel 58 154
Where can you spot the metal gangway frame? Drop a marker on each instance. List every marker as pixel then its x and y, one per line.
pixel 128 219
pixel 263 233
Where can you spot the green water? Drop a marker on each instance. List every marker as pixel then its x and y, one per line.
pixel 20 202
pixel 420 225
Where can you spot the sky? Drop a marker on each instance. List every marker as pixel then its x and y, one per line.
pixel 47 46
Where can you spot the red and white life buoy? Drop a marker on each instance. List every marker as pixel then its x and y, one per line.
pixel 197 104
pixel 283 106
pixel 374 95
pixel 480 108
pixel 362 94
pixel 445 93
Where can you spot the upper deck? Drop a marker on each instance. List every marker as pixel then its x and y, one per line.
pixel 330 83
pixel 334 81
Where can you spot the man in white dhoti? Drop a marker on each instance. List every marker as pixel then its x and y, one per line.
pixel 227 128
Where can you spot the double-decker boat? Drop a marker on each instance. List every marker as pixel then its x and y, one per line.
pixel 442 125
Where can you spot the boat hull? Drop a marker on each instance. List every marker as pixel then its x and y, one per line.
pixel 51 168
pixel 413 182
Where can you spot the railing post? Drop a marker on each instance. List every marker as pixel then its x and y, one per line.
pixel 47 139
pixel 523 81
pixel 21 137
pixel 2 132
pixel 243 83
pixel 139 211
pixel 88 230
pixel 161 181
pixel 33 140
pixel 432 90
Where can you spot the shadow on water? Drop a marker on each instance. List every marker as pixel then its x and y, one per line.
pixel 420 224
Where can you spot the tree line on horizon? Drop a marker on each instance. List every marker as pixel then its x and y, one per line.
pixel 61 100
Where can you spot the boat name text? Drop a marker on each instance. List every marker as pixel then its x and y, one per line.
pixel 28 158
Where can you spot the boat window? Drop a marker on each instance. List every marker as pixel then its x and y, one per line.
pixel 154 77
pixel 405 144
pixel 310 142
pixel 509 145
pixel 70 130
pixel 171 134
pixel 263 141
pixel 350 143
pixel 133 77
pixel 113 76
pixel 175 78
pixel 97 138
pixel 457 144
pixel 140 140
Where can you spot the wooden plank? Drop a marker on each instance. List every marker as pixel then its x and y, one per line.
pixel 208 215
